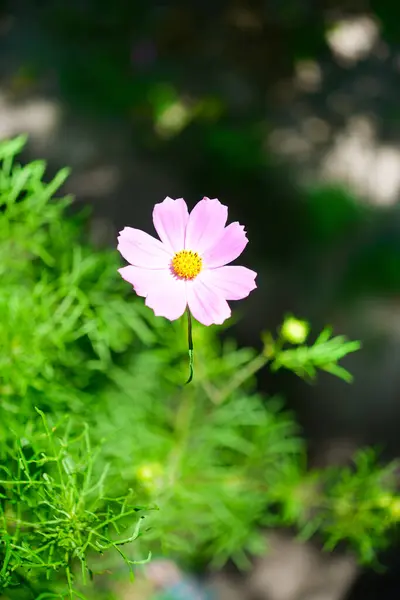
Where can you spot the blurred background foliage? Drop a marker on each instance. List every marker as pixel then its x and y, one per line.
pixel 286 111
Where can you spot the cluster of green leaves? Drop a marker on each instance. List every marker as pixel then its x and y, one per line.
pixel 357 505
pixel 208 467
pixel 64 317
pixel 361 505
pixel 53 510
pixel 83 364
pixel 305 360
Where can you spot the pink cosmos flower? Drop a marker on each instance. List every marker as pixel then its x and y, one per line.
pixel 187 267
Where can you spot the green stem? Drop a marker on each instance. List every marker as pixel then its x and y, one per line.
pixel 190 345
pixel 241 376
pixel 183 424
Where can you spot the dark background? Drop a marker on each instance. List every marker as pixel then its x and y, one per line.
pixel 287 111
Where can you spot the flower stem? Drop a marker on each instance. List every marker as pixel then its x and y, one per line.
pixel 190 345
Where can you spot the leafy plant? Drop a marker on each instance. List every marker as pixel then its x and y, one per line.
pixel 54 511
pixel 305 361
pixel 97 431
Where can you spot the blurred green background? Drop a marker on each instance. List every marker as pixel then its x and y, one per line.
pixel 287 111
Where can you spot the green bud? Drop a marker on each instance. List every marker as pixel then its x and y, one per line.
pixel 295 331
pixel 150 475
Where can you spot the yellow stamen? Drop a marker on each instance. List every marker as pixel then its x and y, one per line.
pixel 186 264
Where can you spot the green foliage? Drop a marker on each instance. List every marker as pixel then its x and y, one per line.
pixel 358 504
pixel 54 511
pixel 208 471
pixel 84 365
pixel 360 499
pixel 304 360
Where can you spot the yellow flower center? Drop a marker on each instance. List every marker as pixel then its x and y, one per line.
pixel 186 264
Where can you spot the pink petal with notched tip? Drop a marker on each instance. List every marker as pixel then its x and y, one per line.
pixel 170 218
pixel 206 224
pixel 164 293
pixel 232 282
pixel 229 246
pixel 205 304
pixel 142 250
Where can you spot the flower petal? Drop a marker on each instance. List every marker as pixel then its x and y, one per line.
pixel 232 283
pixel 164 293
pixel 142 250
pixel 229 246
pixel 143 280
pixel 170 218
pixel 205 304
pixel 206 224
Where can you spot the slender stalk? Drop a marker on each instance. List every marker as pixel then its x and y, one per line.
pixel 190 345
pixel 240 377
pixel 182 427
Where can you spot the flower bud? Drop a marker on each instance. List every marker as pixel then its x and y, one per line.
pixel 295 331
